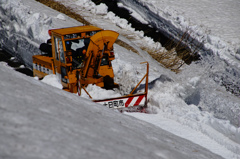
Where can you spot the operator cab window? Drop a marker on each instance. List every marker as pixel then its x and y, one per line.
pixel 104 60
pixel 76 46
pixel 59 49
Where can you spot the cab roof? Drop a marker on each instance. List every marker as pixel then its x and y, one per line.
pixel 74 30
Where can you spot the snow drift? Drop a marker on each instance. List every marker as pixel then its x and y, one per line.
pixel 38 121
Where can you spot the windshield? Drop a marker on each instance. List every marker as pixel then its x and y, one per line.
pixel 76 44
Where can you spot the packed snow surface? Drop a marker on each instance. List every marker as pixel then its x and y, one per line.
pixel 40 121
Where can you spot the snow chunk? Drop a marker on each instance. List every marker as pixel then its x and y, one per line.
pixel 86 4
pixel 52 80
pixel 216 41
pixel 101 9
pixel 61 17
pixel 99 93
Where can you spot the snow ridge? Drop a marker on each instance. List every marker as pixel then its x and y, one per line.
pixel 174 25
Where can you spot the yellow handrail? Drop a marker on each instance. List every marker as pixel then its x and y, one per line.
pixel 146 84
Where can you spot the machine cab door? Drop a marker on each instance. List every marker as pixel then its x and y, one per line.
pixel 59 60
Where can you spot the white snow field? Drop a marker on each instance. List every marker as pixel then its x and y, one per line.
pixel 215 23
pixel 40 121
pixel 212 23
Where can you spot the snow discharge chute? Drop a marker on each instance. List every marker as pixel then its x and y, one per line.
pixel 100 43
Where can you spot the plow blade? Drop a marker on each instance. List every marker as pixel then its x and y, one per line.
pixel 129 103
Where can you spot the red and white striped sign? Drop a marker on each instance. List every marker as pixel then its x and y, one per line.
pixel 123 102
pixel 120 102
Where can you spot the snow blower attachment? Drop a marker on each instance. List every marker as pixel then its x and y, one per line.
pixel 80 56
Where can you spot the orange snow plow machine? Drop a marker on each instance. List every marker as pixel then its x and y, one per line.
pixel 82 55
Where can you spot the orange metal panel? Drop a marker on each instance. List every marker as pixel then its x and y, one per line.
pixel 75 30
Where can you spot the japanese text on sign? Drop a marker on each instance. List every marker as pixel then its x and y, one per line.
pixel 116 103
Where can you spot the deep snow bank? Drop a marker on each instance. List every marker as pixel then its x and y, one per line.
pixel 39 121
pixel 174 18
pixel 170 18
pixel 24 26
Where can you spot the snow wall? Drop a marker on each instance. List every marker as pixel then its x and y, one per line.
pixel 24 28
pixel 173 25
pixel 16 31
